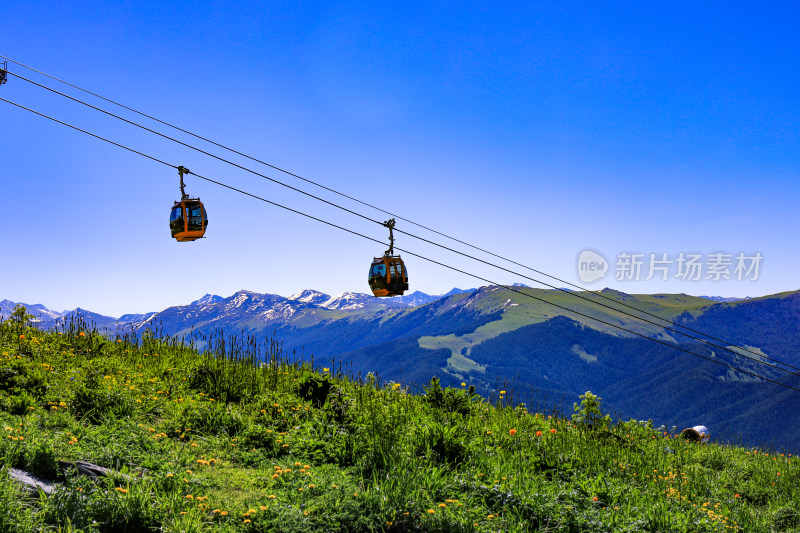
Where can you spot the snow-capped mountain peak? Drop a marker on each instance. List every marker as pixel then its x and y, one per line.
pixel 309 296
pixel 208 299
pixel 348 300
pixel 241 297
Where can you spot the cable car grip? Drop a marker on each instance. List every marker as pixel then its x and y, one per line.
pixel 390 224
pixel 183 170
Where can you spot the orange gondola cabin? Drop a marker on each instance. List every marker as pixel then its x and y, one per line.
pixel 188 219
pixel 388 275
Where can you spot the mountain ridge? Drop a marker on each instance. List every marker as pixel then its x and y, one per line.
pixel 489 335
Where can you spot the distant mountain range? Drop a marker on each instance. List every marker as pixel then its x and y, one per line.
pixel 492 337
pixel 345 301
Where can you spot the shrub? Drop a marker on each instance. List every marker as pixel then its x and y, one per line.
pixel 19 404
pixel 314 388
pixel 450 399
pixel 588 414
pixel 21 376
pixel 442 445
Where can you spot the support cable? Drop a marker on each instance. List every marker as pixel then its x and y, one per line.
pixel 761 356
pixel 597 293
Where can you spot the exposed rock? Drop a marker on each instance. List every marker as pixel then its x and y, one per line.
pixel 85 469
pixel 34 484
pixel 31 483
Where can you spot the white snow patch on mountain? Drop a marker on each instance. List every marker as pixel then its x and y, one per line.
pixel 278 311
pixel 241 297
pixel 208 299
pixel 310 297
pixel 347 300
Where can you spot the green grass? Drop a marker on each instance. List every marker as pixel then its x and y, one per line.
pixel 221 441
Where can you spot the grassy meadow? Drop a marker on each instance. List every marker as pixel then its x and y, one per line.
pixel 237 437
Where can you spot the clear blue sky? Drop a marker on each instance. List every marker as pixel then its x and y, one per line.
pixel 533 131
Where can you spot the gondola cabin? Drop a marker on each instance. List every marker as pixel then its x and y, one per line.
pixel 188 220
pixel 388 276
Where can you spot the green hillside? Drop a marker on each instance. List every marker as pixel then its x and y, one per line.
pixel 222 441
pixel 769 322
pixel 553 360
pixel 526 306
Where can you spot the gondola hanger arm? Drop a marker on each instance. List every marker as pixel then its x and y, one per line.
pixel 183 170
pixel 390 224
